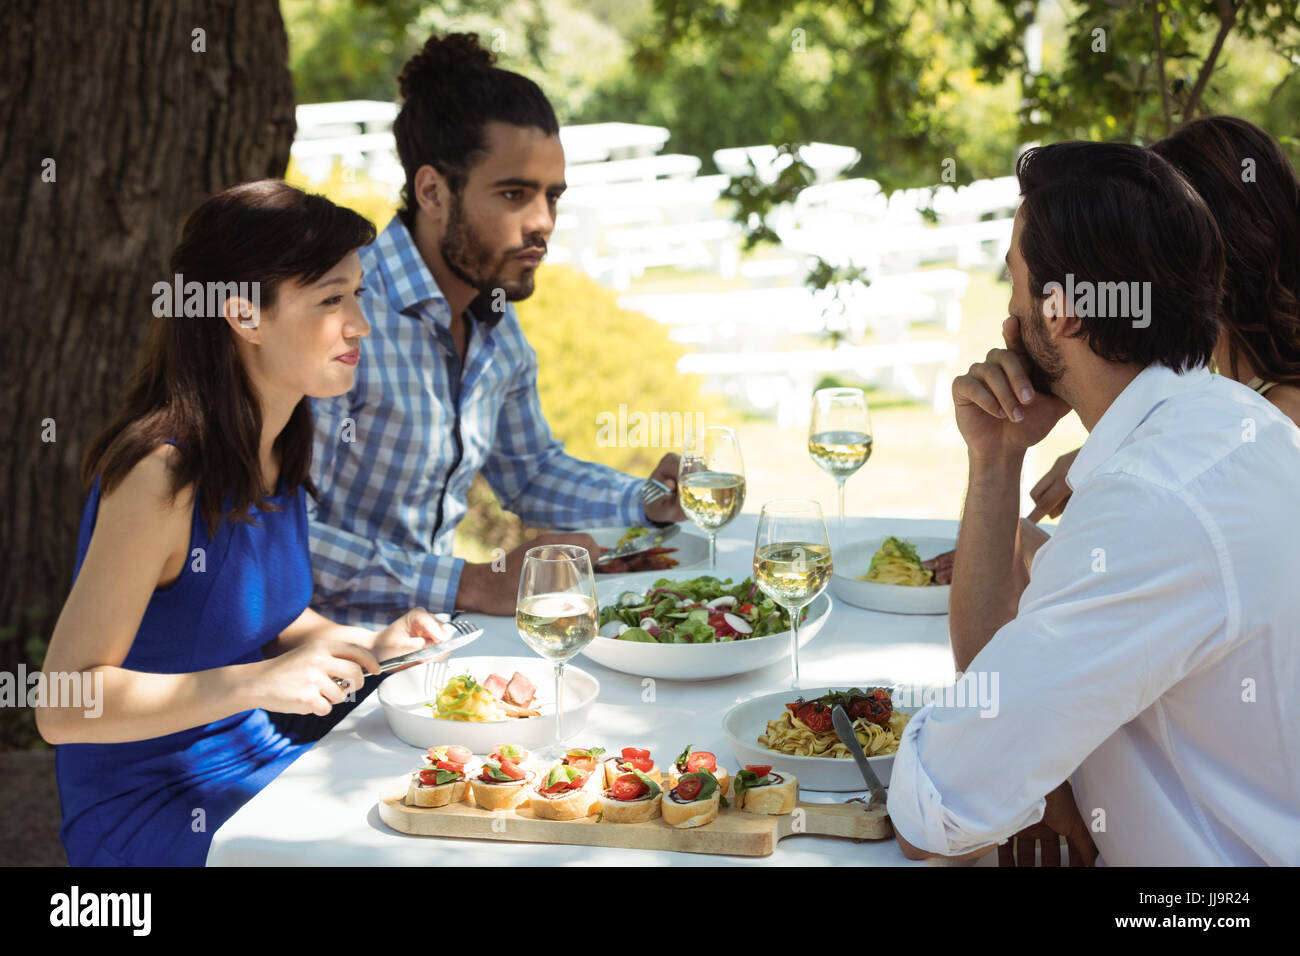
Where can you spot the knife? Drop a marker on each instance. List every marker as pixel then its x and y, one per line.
pixel 653 538
pixel 844 729
pixel 433 650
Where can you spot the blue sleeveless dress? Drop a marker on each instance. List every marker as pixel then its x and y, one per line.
pixel 157 802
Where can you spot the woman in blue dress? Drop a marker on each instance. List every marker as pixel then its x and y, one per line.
pixel 188 620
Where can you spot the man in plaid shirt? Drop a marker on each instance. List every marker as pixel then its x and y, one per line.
pixel 446 383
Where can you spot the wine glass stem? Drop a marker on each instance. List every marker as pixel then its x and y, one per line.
pixel 840 484
pixel 559 704
pixel 794 647
pixel 713 550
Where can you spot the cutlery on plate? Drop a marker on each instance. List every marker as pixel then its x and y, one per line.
pixel 844 729
pixel 653 538
pixel 467 633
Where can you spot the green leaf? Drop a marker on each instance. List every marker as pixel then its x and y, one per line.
pixel 638 634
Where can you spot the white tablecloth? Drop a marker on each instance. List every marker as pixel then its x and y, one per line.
pixel 322 811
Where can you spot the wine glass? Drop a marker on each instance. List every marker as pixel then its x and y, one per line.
pixel 711 482
pixel 792 561
pixel 839 435
pixel 556 614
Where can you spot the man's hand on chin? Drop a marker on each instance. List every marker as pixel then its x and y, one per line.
pixel 667 509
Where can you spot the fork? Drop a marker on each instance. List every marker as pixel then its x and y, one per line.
pixel 434 675
pixel 653 490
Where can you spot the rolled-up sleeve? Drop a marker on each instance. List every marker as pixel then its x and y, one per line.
pixel 1126 599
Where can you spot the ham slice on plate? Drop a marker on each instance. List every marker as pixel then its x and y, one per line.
pixel 520 691
pixel 496 685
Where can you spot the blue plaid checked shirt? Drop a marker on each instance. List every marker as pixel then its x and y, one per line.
pixel 394 458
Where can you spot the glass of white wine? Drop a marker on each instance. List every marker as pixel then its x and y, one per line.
pixel 839 436
pixel 556 614
pixel 711 482
pixel 792 561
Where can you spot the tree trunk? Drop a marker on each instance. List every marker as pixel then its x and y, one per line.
pixel 135 115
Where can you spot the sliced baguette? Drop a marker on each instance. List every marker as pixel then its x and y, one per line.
pixel 573 805
pixel 775 798
pixel 629 811
pixel 693 814
pixel 420 795
pixel 501 796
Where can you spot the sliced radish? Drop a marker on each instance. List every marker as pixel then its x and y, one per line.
pixel 726 600
pixel 649 622
pixel 609 629
pixel 738 624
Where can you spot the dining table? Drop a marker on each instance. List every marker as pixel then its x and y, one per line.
pixel 322 810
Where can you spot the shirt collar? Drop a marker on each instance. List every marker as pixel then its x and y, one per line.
pixel 411 285
pixel 1153 385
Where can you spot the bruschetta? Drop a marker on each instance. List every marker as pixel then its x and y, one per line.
pixel 562 793
pixel 693 802
pixel 690 760
pixel 760 789
pixel 632 798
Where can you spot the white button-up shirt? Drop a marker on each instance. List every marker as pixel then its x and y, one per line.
pixel 1155 657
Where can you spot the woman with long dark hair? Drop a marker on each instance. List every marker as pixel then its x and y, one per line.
pixel 188 618
pixel 1253 192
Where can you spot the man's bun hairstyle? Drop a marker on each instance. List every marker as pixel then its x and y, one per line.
pixel 451 90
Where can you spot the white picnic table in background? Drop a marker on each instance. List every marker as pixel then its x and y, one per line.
pixel 322 811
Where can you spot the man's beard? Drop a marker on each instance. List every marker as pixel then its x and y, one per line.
pixel 1046 366
pixel 471 260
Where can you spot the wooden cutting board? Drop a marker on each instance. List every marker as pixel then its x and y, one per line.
pixel 733 833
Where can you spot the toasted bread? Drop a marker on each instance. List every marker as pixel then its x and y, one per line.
pixel 780 796
pixel 502 796
pixel 695 813
pixel 640 810
pixel 421 795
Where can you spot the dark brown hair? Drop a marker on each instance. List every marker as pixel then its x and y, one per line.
pixel 450 90
pixel 1259 218
pixel 1116 212
pixel 190 385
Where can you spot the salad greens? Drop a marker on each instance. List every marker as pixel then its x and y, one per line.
pixel 701 610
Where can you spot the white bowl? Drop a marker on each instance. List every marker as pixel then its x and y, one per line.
pixel 891 598
pixel 692 551
pixel 696 661
pixel 403 699
pixel 745 722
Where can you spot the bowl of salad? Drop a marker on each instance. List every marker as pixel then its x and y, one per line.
pixel 695 628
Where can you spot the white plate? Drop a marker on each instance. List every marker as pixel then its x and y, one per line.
pixel 747 721
pixel 692 550
pixel 403 699
pixel 694 661
pixel 855 559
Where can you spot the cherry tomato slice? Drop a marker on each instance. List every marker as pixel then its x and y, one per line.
pixel 429 777
pixel 585 764
pixel 446 765
pixel 631 752
pixel 458 754
pixel 628 787
pixel 644 764
pixel 701 758
pixel 759 769
pixel 688 788
pixel 512 770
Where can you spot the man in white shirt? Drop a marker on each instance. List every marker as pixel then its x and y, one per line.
pixel 1154 657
